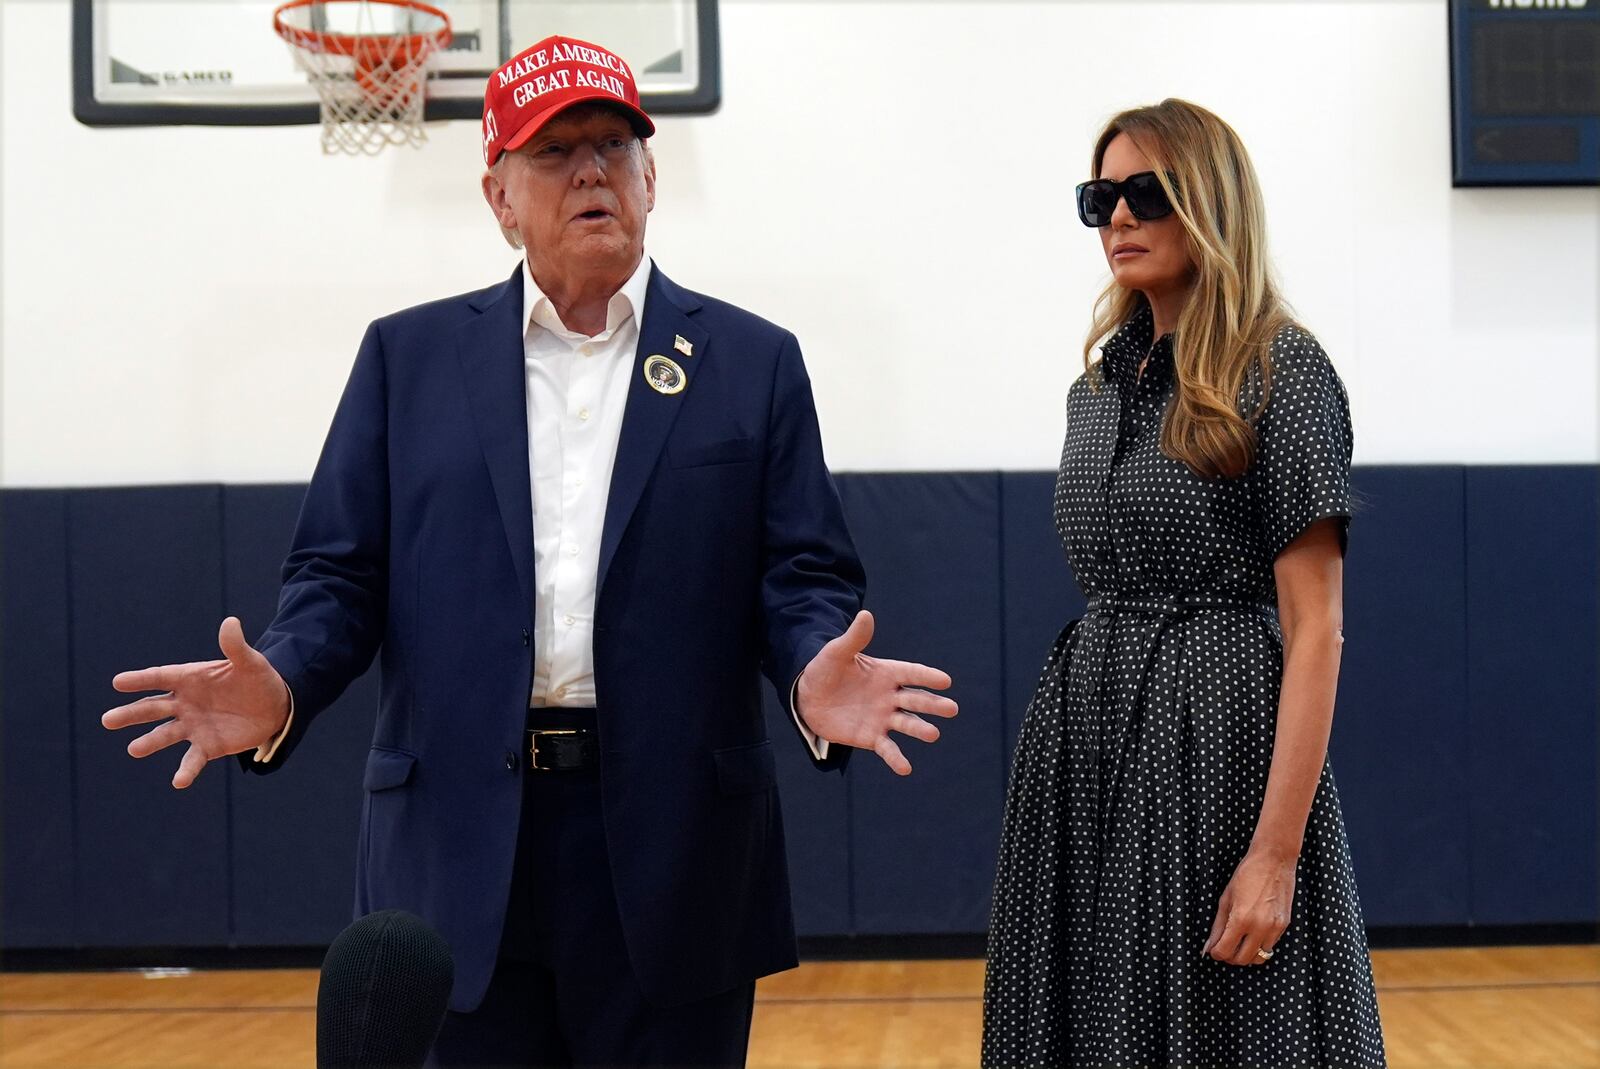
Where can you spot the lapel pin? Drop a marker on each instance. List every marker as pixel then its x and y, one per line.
pixel 664 375
pixel 680 343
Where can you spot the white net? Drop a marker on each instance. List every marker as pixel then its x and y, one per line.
pixel 368 60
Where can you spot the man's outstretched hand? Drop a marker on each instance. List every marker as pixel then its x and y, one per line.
pixel 855 700
pixel 219 707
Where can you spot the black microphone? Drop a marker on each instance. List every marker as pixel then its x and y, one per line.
pixel 385 984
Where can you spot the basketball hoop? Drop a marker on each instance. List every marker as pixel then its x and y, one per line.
pixel 368 61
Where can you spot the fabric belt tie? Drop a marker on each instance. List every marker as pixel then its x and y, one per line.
pixel 1112 604
pixel 1166 611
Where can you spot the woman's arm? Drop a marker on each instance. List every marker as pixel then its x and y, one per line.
pixel 1255 909
pixel 1310 575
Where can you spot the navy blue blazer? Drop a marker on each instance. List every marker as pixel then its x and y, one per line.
pixel 724 553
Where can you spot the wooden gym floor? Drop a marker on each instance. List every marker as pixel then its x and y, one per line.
pixel 1476 1008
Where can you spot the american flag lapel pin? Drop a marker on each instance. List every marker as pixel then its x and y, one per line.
pixel 680 343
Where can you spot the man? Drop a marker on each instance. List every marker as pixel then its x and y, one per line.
pixel 574 514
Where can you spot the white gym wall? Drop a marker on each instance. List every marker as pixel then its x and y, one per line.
pixel 892 181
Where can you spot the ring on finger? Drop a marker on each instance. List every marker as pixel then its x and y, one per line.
pixel 1264 954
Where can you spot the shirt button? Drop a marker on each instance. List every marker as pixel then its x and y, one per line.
pixel 571 620
pixel 583 413
pixel 586 350
pixel 572 551
pixel 559 693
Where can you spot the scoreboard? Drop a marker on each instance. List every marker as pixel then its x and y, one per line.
pixel 1525 92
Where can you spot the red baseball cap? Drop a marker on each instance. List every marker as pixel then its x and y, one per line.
pixel 548 78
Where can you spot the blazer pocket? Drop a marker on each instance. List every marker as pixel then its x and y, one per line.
pixel 702 454
pixel 388 768
pixel 746 769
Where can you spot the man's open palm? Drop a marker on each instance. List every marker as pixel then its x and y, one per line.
pixel 855 700
pixel 219 707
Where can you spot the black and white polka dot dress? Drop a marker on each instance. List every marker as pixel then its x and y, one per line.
pixel 1143 760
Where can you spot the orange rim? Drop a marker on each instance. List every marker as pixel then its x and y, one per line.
pixel 368 49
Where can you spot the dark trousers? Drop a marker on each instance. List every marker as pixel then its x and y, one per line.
pixel 564 993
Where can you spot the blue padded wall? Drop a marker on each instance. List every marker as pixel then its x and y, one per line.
pixel 816 828
pixel 1399 747
pixel 1041 596
pixel 37 891
pixel 293 832
pixel 1531 669
pixel 152 862
pixel 923 847
pixel 1464 745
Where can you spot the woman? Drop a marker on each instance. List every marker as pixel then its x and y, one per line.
pixel 1174 885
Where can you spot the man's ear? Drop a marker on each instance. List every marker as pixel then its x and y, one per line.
pixel 649 180
pixel 494 194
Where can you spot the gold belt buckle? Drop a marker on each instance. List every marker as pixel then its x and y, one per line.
pixel 533 744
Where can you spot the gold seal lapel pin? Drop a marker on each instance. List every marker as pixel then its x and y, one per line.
pixel 664 375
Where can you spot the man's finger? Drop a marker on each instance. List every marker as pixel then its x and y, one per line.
pixel 920 701
pixel 914 726
pixel 162 677
pixel 157 739
pixel 886 749
pixel 911 674
pixel 856 637
pixel 230 639
pixel 144 711
pixel 194 759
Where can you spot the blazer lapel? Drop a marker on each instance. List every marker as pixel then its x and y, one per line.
pixel 649 416
pixel 490 348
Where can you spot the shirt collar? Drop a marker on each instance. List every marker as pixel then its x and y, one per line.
pixel 627 303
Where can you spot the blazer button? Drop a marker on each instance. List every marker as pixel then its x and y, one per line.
pixel 524 636
pixel 511 760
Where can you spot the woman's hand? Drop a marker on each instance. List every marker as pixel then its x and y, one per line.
pixel 1254 909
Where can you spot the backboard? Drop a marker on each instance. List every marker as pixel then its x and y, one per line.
pixel 218 62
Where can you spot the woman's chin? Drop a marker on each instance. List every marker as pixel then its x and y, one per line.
pixel 1129 276
pixel 1138 276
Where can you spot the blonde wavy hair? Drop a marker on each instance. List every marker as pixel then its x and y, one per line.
pixel 1225 331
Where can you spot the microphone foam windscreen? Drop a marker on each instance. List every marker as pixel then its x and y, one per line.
pixel 382 996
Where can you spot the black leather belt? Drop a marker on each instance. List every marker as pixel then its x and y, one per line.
pixel 562 750
pixel 561 739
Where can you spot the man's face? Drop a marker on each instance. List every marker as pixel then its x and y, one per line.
pixel 578 194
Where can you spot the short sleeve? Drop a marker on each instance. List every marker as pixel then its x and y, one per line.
pixel 1301 472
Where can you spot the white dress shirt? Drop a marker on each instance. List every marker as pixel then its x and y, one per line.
pixel 577 390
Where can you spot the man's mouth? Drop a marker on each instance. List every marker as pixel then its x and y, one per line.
pixel 594 214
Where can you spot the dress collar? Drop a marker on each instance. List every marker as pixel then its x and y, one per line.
pixel 1123 352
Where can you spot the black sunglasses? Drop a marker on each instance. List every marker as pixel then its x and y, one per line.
pixel 1146 199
